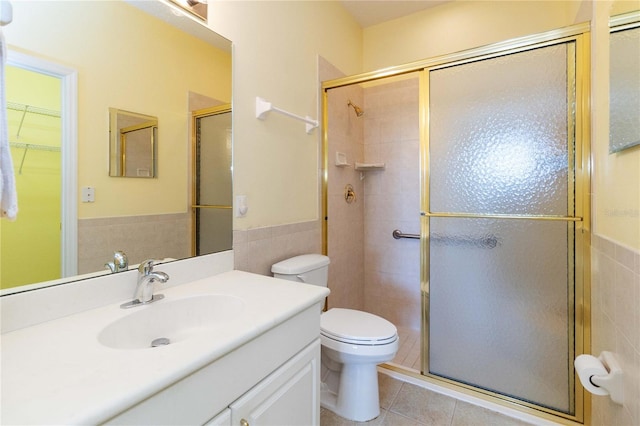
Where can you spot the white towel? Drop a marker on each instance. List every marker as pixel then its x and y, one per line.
pixel 8 195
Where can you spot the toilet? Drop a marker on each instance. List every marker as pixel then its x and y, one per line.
pixel 353 344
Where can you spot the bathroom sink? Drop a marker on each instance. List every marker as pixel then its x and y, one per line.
pixel 171 321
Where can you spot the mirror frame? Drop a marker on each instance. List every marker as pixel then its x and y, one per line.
pixel 619 23
pixel 118 150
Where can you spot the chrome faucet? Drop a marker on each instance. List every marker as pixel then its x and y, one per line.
pixel 144 289
pixel 120 262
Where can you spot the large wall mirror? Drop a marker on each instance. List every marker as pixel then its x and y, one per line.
pixel 148 57
pixel 624 82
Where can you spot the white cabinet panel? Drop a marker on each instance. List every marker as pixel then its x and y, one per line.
pixel 289 396
pixel 222 419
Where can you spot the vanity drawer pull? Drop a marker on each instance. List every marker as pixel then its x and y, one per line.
pixel 243 422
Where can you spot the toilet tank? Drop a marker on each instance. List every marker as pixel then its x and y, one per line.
pixel 307 268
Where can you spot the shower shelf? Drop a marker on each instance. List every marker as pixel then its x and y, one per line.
pixel 364 167
pixel 368 167
pixel 341 160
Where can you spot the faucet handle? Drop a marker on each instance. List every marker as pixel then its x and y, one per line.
pixel 146 267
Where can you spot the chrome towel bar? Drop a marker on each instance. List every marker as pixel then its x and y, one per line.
pixel 490 241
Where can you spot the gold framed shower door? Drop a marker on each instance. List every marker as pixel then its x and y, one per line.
pixel 579 160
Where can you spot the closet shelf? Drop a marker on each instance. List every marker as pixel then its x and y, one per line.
pixel 14 106
pixel 364 167
pixel 24 109
pixel 34 146
pixel 30 146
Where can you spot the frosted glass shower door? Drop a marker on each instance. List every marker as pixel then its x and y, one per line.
pixel 500 225
pixel 212 182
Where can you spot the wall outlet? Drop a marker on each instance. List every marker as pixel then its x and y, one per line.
pixel 88 194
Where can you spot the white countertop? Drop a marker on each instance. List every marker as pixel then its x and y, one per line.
pixel 59 373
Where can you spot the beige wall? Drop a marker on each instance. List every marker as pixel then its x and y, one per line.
pixel 462 25
pixel 275 53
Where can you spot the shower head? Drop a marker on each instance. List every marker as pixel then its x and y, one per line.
pixel 359 111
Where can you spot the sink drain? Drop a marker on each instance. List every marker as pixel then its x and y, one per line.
pixel 160 341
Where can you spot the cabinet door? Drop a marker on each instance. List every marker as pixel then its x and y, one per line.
pixel 289 396
pixel 222 419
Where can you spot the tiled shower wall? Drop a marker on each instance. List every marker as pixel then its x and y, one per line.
pixel 140 237
pixel 615 325
pixel 345 239
pixel 370 269
pixel 392 201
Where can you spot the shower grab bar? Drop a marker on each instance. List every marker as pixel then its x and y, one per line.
pixel 397 234
pixel 490 241
pixel 263 107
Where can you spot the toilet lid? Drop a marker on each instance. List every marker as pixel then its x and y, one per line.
pixel 351 326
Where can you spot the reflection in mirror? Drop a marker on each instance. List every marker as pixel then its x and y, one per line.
pixel 212 212
pixel 624 83
pixel 35 135
pixel 170 55
pixel 132 144
pixel 197 7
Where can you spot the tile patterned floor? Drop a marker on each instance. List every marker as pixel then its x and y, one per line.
pixel 408 354
pixel 404 404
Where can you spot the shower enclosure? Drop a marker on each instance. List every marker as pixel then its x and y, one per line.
pixel 471 233
pixel 212 192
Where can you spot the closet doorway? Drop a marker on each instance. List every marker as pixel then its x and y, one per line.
pixel 212 213
pixel 41 117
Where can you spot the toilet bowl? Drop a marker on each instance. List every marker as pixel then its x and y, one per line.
pixel 353 344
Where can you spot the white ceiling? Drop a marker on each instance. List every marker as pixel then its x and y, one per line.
pixel 372 12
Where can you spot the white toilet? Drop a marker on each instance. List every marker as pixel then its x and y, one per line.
pixel 353 344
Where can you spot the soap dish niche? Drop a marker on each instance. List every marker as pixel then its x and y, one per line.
pixel 341 160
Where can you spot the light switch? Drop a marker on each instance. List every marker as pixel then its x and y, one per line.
pixel 88 194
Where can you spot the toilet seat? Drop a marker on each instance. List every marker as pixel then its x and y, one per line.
pixel 357 327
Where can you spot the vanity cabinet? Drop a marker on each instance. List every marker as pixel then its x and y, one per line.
pixel 289 396
pixel 272 380
pixel 255 364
